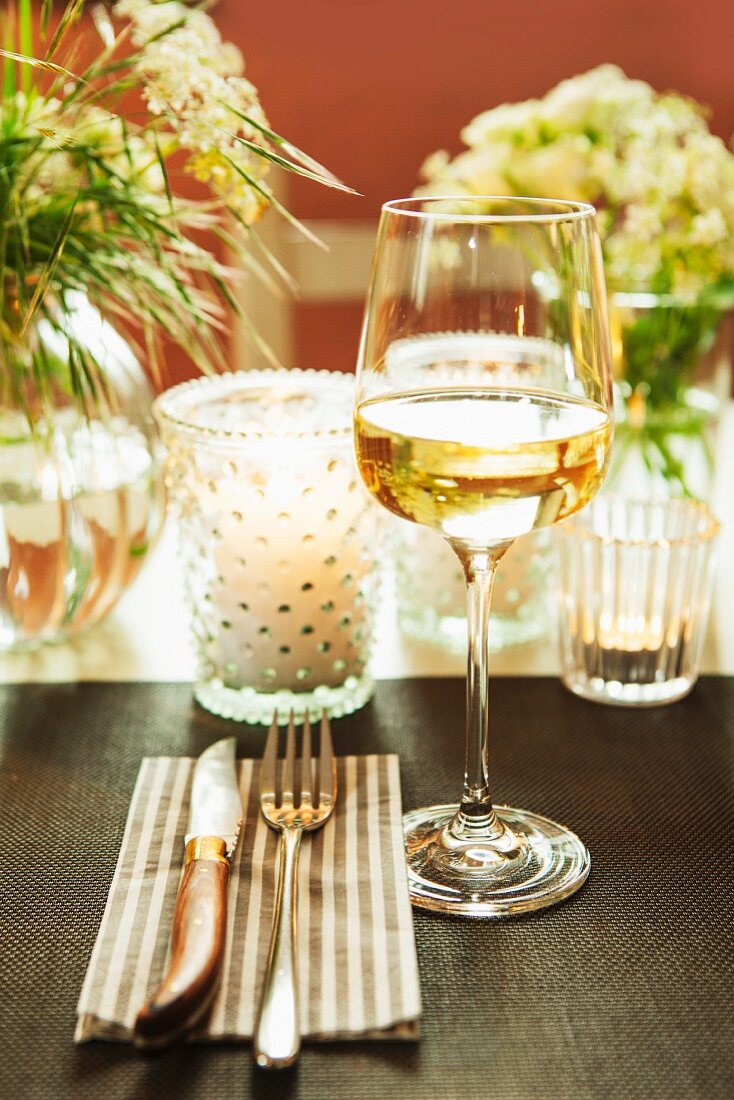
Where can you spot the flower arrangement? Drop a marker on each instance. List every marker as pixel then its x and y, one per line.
pixel 87 199
pixel 663 186
pixel 662 183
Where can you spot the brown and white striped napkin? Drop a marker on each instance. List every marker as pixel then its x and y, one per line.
pixel 357 959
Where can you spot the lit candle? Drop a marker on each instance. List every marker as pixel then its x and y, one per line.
pixel 279 539
pixel 627 632
pixel 634 590
pixel 287 602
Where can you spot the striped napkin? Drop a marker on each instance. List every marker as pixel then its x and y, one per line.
pixel 357 961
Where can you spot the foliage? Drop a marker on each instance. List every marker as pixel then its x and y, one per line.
pixel 663 186
pixel 87 199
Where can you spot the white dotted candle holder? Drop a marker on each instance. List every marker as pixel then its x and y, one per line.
pixel 279 539
pixel 431 591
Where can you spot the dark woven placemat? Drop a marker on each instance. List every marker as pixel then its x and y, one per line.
pixel 624 991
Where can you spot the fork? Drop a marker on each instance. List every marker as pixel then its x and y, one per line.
pixel 277 1039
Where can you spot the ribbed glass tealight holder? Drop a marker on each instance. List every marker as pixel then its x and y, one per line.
pixel 634 590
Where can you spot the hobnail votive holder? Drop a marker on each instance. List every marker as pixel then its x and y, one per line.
pixel 431 591
pixel 634 591
pixel 280 542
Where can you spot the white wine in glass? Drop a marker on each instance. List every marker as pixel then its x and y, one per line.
pixel 483 411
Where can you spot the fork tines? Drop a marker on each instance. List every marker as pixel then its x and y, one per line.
pixel 295 784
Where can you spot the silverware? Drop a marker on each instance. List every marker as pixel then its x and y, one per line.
pixel 277 1040
pixel 200 917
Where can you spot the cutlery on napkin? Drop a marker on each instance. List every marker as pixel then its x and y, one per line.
pixel 295 805
pixel 358 973
pixel 200 918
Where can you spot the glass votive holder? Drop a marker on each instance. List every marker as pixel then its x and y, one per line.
pixel 634 587
pixel 430 584
pixel 279 541
pixel 431 590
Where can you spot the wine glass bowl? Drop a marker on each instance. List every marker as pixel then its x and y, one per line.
pixel 483 411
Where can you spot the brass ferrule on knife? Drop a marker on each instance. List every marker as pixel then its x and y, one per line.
pixel 206 847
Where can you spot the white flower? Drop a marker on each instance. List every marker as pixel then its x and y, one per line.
pixel 150 20
pixel 631 261
pixel 709 172
pixel 130 9
pixel 505 121
pixel 629 181
pixel 709 228
pixel 588 101
pixel 686 285
pixel 663 185
pixel 193 80
pixel 435 164
pixel 643 222
pixel 559 170
pixel 445 252
pixel 471 173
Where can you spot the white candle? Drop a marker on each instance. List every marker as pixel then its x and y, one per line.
pixel 280 540
pixel 628 632
pixel 287 598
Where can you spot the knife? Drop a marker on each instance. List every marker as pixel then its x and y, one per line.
pixel 200 917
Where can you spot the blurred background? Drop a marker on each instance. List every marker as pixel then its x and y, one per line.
pixel 371 87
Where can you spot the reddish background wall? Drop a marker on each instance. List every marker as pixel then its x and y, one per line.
pixel 370 87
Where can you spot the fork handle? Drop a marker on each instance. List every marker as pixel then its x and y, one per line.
pixel 277 1040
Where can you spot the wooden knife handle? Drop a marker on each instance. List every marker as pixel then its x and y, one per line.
pixel 197 947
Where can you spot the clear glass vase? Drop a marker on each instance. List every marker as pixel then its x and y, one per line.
pixel 81 493
pixel 673 370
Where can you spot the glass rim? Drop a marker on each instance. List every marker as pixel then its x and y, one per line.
pixel 573 526
pixel 165 412
pixel 549 211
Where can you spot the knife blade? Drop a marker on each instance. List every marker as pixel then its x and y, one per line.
pixel 200 917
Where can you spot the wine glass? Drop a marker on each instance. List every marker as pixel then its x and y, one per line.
pixel 483 411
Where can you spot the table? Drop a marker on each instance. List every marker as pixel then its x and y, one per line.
pixel 624 991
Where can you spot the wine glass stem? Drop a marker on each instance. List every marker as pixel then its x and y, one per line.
pixel 476 819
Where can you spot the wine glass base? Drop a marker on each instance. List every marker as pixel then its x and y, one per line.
pixel 534 864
